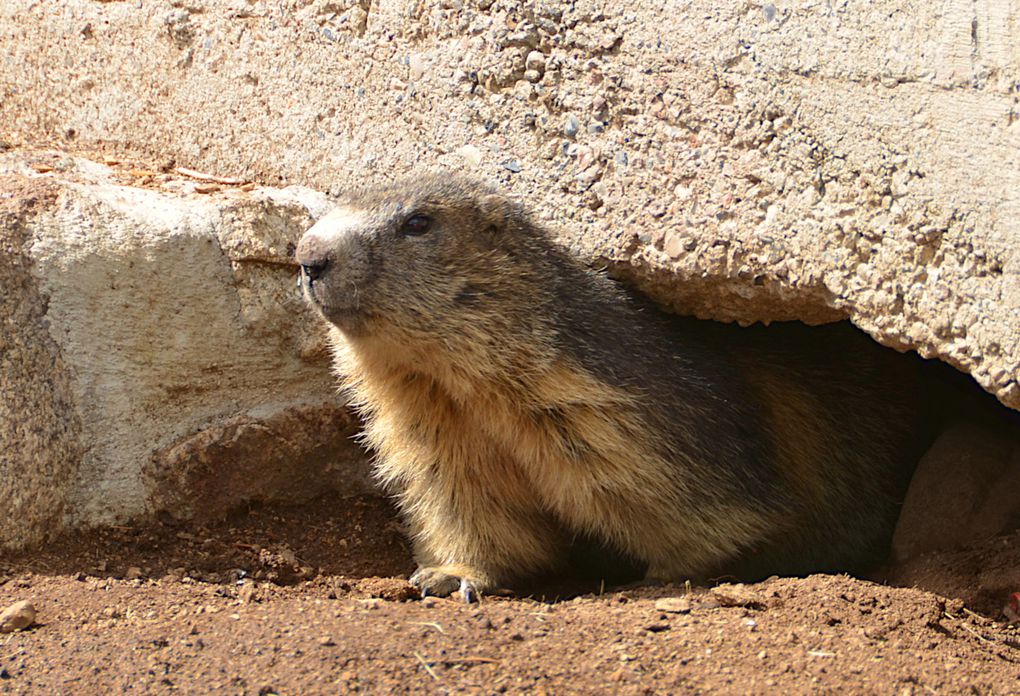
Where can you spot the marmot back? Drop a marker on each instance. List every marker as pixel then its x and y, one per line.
pixel 516 400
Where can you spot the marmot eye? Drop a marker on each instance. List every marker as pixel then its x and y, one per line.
pixel 416 225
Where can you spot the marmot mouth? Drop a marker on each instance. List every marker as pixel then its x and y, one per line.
pixel 345 318
pixel 323 292
pixel 346 312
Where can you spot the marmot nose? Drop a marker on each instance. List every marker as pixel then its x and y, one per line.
pixel 313 255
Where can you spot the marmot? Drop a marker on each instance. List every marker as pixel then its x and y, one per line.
pixel 516 400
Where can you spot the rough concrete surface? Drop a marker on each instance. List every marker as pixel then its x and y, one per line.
pixel 157 356
pixel 747 160
pixel 741 161
pixel 39 433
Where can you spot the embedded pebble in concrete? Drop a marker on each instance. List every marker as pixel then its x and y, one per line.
pixel 571 126
pixel 535 61
pixel 471 154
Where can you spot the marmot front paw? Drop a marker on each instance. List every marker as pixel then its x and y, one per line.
pixel 442 581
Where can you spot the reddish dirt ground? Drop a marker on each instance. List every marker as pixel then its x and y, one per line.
pixel 313 599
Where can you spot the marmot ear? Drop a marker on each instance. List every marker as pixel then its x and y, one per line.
pixel 497 211
pixel 492 206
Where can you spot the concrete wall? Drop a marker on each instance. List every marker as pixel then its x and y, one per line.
pixel 155 355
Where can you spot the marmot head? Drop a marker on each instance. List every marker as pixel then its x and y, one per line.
pixel 425 258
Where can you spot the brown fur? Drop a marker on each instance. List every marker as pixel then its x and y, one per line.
pixel 516 401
